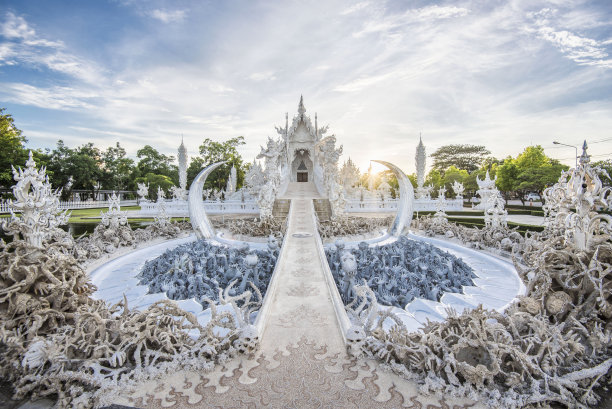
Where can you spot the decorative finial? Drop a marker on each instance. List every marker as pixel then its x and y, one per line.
pixel 301 109
pixel 584 158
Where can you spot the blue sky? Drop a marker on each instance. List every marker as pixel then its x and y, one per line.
pixel 504 74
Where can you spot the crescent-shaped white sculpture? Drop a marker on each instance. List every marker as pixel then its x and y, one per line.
pixel 197 214
pixel 406 200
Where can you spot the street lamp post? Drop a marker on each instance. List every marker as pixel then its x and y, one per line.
pixel 571 146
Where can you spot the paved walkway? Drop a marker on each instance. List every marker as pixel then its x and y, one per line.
pixel 302 361
pixel 301 304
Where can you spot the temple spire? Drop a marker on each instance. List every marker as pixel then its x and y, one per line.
pixel 585 157
pixel 301 109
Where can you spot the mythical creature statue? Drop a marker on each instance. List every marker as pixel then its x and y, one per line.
pixel 328 157
pixel 267 193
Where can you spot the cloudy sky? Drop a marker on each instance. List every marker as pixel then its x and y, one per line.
pixel 504 74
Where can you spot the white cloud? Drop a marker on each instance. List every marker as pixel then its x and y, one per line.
pixel 459 74
pixel 25 46
pixel 580 49
pixel 263 76
pixel 62 98
pixel 168 16
pixel 355 8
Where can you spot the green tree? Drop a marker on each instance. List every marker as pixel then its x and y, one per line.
pixel 195 166
pixel 83 164
pixel 152 161
pixel 434 178
pixel 155 182
pixel 13 151
pixel 452 175
pixel 531 171
pixel 606 166
pixel 467 157
pixel 118 171
pixel 213 151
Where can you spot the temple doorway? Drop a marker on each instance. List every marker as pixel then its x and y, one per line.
pixel 301 167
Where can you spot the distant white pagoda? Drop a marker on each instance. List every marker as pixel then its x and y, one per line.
pixel 421 192
pixel 182 162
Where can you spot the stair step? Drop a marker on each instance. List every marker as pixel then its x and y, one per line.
pixel 323 209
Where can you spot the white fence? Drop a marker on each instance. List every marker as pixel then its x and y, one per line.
pixel 86 204
pixel 420 205
pixel 181 208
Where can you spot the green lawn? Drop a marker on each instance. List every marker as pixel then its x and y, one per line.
pixel 93 215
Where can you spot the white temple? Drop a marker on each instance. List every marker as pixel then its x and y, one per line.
pixel 298 161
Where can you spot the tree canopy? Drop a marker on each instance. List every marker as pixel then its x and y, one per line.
pixel 467 157
pixel 152 161
pixel 213 151
pixel 13 151
pixel 530 171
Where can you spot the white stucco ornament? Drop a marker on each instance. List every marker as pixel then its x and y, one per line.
pixel 114 217
pixel 268 191
pixel 571 204
pixel 37 205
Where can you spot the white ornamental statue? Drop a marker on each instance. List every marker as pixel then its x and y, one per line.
pixel 486 189
pixel 328 156
pixel 458 189
pixel 371 179
pixel 495 216
pixel 267 193
pixel 349 176
pixel 143 191
pixel 37 205
pixel 232 181
pixel 161 218
pixel 571 205
pixel 384 190
pixel 441 203
pixel 114 217
pixel 254 179
pixel 178 193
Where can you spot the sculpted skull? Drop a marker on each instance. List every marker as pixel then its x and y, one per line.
pixel 355 338
pixel 349 265
pixel 248 340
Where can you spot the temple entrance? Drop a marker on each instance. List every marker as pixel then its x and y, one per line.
pixel 301 167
